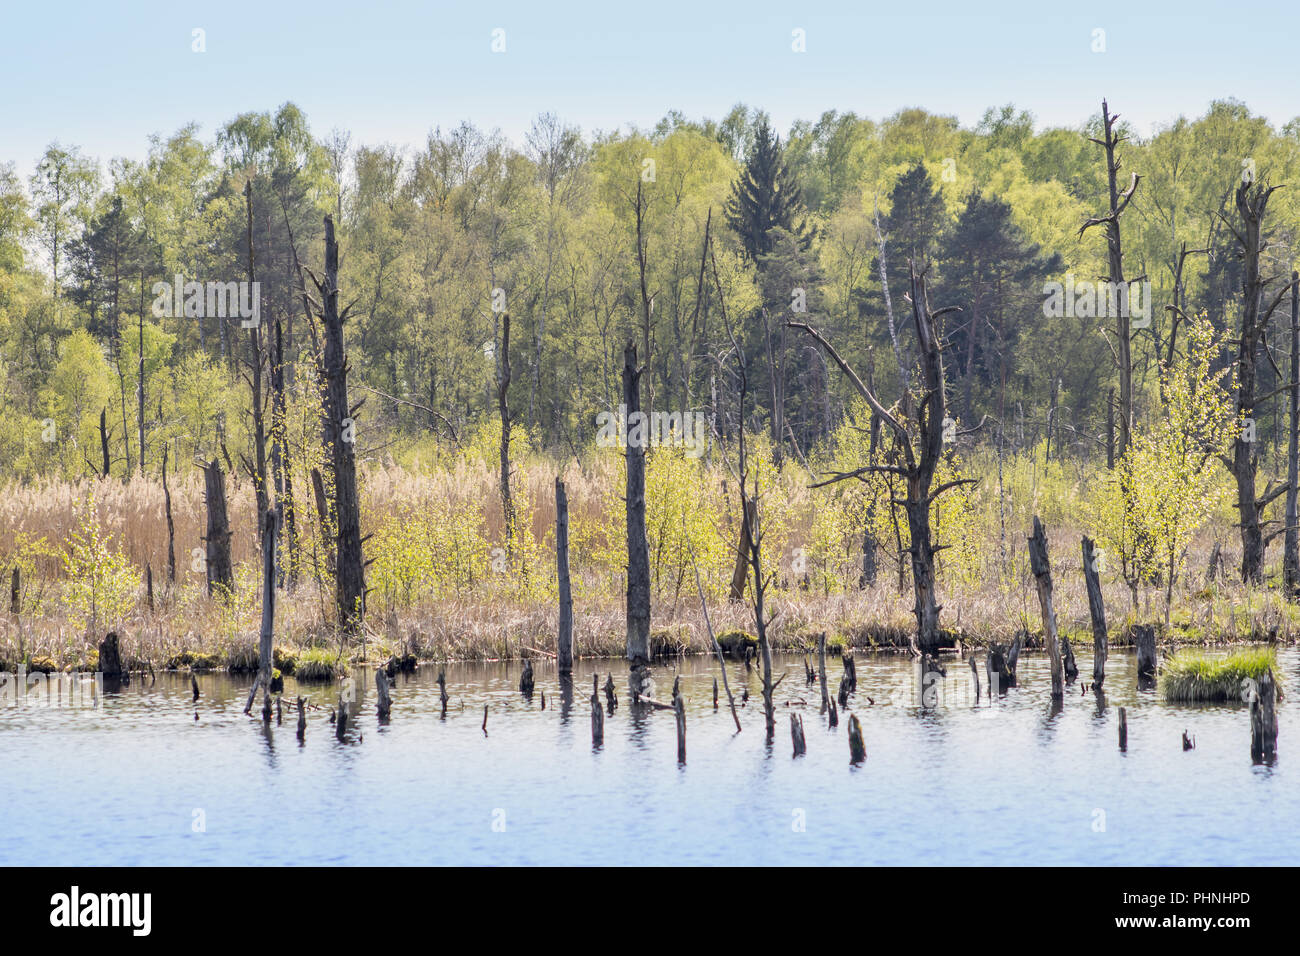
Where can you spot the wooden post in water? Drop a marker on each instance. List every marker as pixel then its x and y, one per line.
pixel 679 711
pixel 975 675
pixel 715 693
pixel 302 720
pixel 1097 611
pixel 564 639
pixel 485 713
pixel 385 703
pixel 857 749
pixel 442 689
pixel 1263 719
pixel 1144 635
pixel 526 680
pixel 834 719
pixel 1123 729
pixel 194 685
pixel 796 735
pixel 821 672
pixel 610 696
pixel 341 722
pixel 1042 569
pixel 597 720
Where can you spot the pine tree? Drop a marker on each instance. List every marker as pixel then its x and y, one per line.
pixel 766 196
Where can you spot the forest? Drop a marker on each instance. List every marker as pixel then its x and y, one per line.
pixel 894 345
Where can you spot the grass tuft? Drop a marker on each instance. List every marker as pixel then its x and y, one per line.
pixel 1195 677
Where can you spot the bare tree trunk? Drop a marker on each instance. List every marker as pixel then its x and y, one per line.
pixel 1097 611
pixel 1291 559
pixel 218 531
pixel 1042 569
pixel 265 647
pixel 503 409
pixel 350 584
pixel 103 441
pixel 740 574
pixel 1123 327
pixel 255 378
pixel 564 641
pixel 638 550
pixel 1252 204
pixel 282 463
pixel 323 519
pixel 1263 720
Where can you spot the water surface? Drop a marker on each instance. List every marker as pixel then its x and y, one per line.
pixel 137 780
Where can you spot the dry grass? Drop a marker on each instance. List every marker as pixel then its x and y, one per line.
pixel 494 620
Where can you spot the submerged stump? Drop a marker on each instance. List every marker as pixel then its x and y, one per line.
pixel 857 749
pixel 1263 719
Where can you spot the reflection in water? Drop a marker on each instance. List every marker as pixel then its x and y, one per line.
pixel 425 787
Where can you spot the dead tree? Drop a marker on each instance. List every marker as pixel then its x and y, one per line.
pixel 857 749
pixel 218 565
pixel 1291 555
pixel 1097 611
pixel 638 549
pixel 171 525
pixel 1144 636
pixel 349 574
pixel 741 574
pixel 821 672
pixel 918 446
pixel 384 705
pixel 1263 719
pixel 503 410
pixel 1110 141
pixel 796 735
pixel 1042 570
pixel 282 464
pixel 1252 205
pixel 270 525
pixel 255 363
pixel 103 442
pixel 564 641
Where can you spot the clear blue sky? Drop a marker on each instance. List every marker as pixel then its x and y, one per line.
pixel 104 76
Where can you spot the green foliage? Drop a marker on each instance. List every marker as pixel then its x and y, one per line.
pixel 101 585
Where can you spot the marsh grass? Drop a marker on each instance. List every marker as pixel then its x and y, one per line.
pixel 1191 676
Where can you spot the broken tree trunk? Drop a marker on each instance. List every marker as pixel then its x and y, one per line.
pixel 1123 729
pixel 302 720
pixel 679 712
pixel 1042 569
pixel 1263 719
pixel 857 749
pixel 350 583
pixel 110 659
pixel 975 675
pixel 526 681
pixel 171 525
pixel 385 703
pixel 796 735
pixel 1291 554
pixel 1144 636
pixel 1097 610
pixel 564 641
pixel 638 549
pixel 219 572
pixel 270 526
pixel 597 715
pixel 323 520
pixel 821 672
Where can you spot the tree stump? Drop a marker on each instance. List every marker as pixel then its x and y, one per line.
pixel 302 720
pixel 1097 611
pixel 597 721
pixel 1042 570
pixel 442 690
pixel 610 697
pixel 564 639
pixel 821 671
pixel 679 711
pixel 796 735
pixel 341 723
pixel 975 675
pixel 1123 729
pixel 715 693
pixel 526 678
pixel 857 749
pixel 1144 636
pixel 1263 720
pixel 110 660
pixel 194 685
pixel 834 719
pixel 385 702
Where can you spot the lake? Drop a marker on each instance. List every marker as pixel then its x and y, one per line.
pixel 136 779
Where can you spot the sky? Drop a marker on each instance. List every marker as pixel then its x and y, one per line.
pixel 105 76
